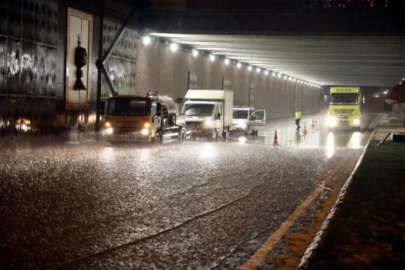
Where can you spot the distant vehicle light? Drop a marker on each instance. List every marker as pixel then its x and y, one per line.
pixel 227 62
pixel 146 40
pixel 146 125
pixel 331 121
pixel 209 123
pixel 356 122
pixel 239 65
pixel 212 58
pixel 195 53
pixel 249 68
pixel 174 47
pixel 107 124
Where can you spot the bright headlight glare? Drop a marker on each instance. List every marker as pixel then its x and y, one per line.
pixel 208 123
pixel 146 125
pixel 109 131
pixel 356 122
pixel 107 124
pixel 331 121
pixel 145 132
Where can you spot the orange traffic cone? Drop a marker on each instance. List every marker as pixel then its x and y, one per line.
pixel 305 129
pixel 275 142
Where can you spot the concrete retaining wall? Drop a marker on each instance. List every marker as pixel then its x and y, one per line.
pixel 160 69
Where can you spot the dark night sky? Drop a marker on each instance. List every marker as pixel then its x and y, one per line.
pixel 279 4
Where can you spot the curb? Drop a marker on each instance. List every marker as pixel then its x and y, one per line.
pixel 312 248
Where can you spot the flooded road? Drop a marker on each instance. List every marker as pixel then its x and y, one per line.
pixel 195 205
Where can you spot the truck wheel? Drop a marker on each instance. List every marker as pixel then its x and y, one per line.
pixel 181 135
pixel 213 136
pixel 158 138
pixel 225 134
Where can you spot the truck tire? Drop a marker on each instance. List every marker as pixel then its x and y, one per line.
pixel 181 135
pixel 158 138
pixel 213 136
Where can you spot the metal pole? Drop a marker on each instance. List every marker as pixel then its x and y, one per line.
pixel 100 55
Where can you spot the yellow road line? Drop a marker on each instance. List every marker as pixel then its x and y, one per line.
pixel 254 261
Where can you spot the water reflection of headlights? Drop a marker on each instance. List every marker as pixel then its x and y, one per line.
pixel 209 123
pixel 330 145
pixel 331 121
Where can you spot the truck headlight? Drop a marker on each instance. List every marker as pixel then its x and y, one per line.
pixel 145 132
pixel 356 122
pixel 243 126
pixel 107 124
pixel 109 131
pixel 209 123
pixel 331 121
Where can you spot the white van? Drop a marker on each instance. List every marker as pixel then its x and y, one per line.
pixel 208 112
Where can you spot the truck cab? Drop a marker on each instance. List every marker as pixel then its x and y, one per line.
pixel 208 113
pixel 344 108
pixel 136 118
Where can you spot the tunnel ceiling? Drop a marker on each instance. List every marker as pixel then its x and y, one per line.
pixel 326 60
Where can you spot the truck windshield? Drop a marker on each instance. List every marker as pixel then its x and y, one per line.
pixel 240 114
pixel 129 106
pixel 342 99
pixel 198 109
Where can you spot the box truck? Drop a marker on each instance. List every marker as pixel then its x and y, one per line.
pixel 208 113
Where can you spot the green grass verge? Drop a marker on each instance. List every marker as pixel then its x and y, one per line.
pixel 367 231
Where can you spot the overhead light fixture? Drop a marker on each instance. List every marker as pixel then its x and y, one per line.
pixel 239 65
pixel 226 61
pixel 195 53
pixel 174 47
pixel 212 58
pixel 146 40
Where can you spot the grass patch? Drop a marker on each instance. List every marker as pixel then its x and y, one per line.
pixel 367 231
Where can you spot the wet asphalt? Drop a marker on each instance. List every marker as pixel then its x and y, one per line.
pixel 191 205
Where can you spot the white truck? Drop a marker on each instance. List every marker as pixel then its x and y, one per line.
pixel 208 112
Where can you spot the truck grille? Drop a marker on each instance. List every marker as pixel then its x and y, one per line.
pixel 125 129
pixel 193 125
pixel 344 111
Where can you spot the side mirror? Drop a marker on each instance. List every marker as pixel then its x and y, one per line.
pixel 217 116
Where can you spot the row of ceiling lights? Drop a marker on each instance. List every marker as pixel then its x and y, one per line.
pixel 174 47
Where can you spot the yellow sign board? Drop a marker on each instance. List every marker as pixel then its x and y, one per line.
pixel 343 89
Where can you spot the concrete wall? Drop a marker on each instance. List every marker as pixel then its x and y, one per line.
pixel 160 69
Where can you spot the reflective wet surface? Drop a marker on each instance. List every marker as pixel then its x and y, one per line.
pixel 171 206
